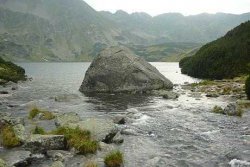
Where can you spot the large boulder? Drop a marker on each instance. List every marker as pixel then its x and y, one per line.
pixel 117 69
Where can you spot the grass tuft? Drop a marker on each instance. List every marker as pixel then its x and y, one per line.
pixel 218 110
pixel 47 115
pixel 79 139
pixel 9 139
pixel 39 130
pixel 90 164
pixel 114 159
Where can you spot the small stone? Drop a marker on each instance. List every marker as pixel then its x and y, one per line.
pixel 118 139
pixel 212 95
pixel 119 119
pixel 14 88
pixel 232 109
pixel 3 92
pixel 57 164
pixel 59 155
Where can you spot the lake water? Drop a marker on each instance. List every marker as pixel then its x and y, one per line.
pixel 179 132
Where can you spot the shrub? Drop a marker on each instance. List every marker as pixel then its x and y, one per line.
pixel 47 115
pixel 247 87
pixel 38 130
pixel 79 139
pixel 9 139
pixel 218 110
pixel 114 159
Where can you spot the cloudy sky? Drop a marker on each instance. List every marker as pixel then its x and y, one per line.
pixel 186 7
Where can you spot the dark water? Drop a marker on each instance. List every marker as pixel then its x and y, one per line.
pixel 179 132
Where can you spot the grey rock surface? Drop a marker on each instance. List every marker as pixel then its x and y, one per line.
pixel 119 119
pixel 42 143
pixel 117 69
pixel 67 118
pixel 17 158
pixel 101 129
pixel 57 164
pixel 118 139
pixel 231 109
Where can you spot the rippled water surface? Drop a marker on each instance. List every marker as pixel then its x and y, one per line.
pixel 169 132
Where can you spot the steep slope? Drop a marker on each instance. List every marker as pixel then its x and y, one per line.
pixel 55 29
pixel 226 57
pixel 10 72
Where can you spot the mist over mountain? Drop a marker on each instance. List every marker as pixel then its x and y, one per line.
pixel 70 30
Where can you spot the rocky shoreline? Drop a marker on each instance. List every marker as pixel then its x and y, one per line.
pixel 229 89
pixel 53 148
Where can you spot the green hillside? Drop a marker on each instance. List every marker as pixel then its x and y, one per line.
pixel 10 72
pixel 225 57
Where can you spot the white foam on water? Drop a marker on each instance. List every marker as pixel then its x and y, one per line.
pixel 239 163
pixel 142 120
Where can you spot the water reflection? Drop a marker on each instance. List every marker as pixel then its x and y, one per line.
pixel 118 102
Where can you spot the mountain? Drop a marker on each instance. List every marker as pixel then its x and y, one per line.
pixel 174 27
pixel 225 57
pixel 54 30
pixel 70 30
pixel 171 52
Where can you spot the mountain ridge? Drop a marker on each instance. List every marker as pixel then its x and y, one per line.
pixel 71 30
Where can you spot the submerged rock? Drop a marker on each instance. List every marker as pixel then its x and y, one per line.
pixel 117 69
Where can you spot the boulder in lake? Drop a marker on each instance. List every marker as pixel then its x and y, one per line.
pixel 117 69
